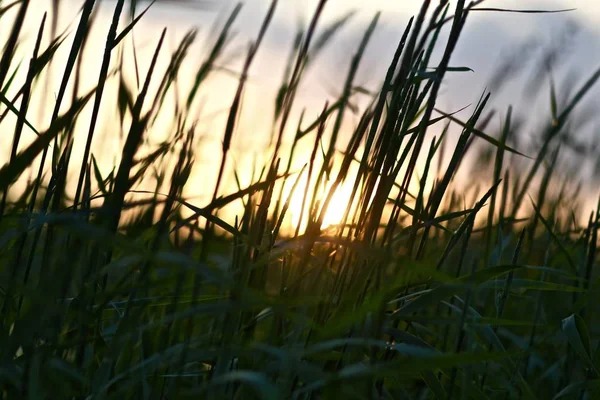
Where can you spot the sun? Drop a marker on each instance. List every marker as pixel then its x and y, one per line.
pixel 298 209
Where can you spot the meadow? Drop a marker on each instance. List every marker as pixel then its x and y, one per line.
pixel 411 284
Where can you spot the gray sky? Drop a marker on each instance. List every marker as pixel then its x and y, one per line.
pixel 487 40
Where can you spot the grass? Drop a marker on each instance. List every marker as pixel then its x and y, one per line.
pixel 423 289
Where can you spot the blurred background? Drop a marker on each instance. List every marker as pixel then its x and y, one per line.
pixel 513 55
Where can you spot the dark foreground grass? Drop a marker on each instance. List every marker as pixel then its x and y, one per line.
pixel 438 292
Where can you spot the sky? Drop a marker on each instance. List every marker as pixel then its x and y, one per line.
pixel 489 39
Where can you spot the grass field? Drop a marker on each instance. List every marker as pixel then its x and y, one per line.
pixel 410 285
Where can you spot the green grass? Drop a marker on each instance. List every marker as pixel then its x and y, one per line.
pixel 426 288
